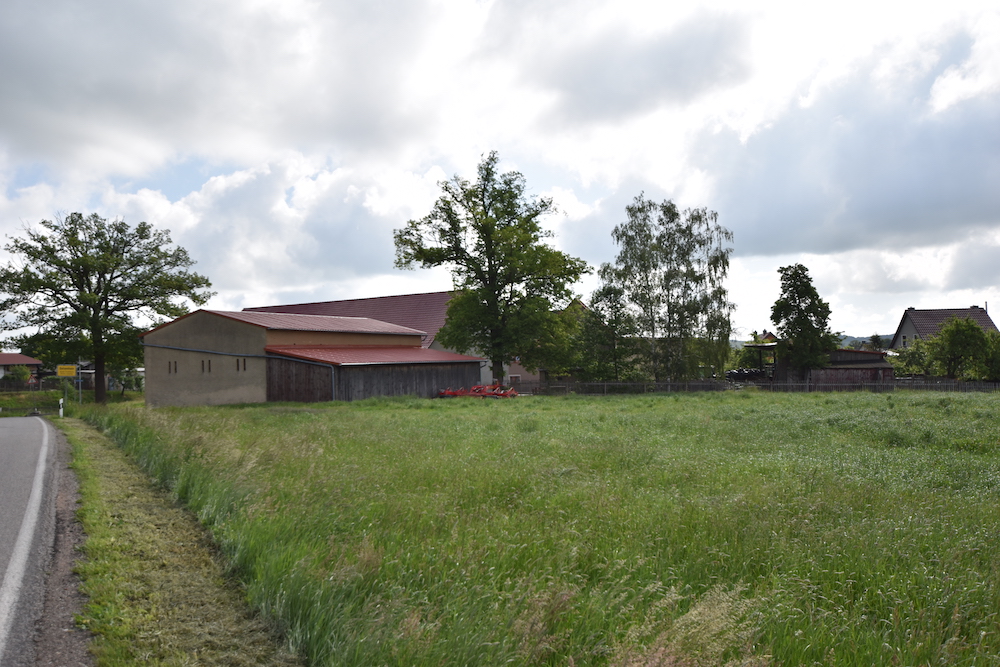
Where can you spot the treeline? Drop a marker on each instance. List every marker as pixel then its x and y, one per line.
pixel 661 312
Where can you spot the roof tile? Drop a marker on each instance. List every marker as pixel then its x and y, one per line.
pixel 362 355
pixel 425 312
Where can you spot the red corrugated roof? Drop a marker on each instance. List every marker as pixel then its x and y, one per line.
pixel 348 356
pixel 17 359
pixel 425 312
pixel 298 322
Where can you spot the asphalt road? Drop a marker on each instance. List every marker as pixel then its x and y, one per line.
pixel 27 519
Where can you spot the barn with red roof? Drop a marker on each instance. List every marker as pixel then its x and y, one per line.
pixel 213 357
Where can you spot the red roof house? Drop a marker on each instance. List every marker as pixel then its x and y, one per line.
pixel 9 359
pixel 925 323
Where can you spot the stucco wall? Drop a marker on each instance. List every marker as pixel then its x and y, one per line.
pixel 906 329
pixel 175 377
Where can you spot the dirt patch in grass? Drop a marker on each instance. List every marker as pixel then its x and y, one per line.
pixel 157 590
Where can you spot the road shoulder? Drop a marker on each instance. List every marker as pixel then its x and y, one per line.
pixel 59 641
pixel 156 584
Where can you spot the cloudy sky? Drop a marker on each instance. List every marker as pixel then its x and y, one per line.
pixel 281 141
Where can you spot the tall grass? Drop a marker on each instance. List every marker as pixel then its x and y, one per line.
pixel 691 529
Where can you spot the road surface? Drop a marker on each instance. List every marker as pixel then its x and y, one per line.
pixel 27 518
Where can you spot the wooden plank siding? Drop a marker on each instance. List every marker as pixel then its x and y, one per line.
pixel 291 380
pixel 845 376
pixel 424 380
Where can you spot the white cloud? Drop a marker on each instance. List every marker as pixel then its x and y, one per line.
pixel 282 142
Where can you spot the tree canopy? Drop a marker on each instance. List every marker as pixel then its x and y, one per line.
pixel 82 281
pixel 802 319
pixel 508 280
pixel 669 272
pixel 959 349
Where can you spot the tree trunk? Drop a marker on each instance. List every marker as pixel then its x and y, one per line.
pixel 100 354
pixel 498 373
pixel 100 382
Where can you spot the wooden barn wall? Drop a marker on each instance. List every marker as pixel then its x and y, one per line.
pixel 290 380
pixel 426 380
pixel 843 376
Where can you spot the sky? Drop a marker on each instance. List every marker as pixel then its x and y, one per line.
pixel 282 141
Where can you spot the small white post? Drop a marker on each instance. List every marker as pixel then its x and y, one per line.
pixel 60 408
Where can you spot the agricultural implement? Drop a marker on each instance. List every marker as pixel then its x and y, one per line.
pixel 480 391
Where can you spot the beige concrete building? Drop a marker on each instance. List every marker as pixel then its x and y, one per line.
pixel 214 357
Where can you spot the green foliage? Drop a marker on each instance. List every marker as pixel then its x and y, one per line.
pixel 82 280
pixel 913 360
pixel 508 279
pixel 959 348
pixel 802 319
pixel 19 373
pixel 990 362
pixel 876 343
pixel 669 276
pixel 740 528
pixel 606 341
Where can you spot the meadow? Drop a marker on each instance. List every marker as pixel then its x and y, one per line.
pixel 736 528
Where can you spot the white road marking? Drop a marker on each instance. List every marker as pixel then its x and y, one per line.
pixel 11 588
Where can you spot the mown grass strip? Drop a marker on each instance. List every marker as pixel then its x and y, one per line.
pixel 156 588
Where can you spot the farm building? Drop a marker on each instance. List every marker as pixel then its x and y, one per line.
pixel 853 367
pixel 426 312
pixel 922 324
pixel 212 357
pixel 845 368
pixel 10 359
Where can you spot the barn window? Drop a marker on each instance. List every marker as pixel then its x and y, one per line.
pixel 175 367
pixel 202 365
pixel 244 364
pixel 209 365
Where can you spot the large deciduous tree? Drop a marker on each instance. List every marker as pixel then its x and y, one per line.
pixel 606 340
pixel 803 320
pixel 84 279
pixel 670 269
pixel 960 348
pixel 508 280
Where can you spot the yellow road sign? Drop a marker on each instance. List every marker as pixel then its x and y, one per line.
pixel 66 371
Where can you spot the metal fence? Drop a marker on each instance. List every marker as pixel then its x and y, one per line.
pixel 615 388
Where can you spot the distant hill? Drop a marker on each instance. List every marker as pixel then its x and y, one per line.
pixel 845 341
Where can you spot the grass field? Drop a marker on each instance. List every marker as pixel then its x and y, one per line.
pixel 701 529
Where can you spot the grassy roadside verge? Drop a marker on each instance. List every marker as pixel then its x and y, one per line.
pixel 682 530
pixel 156 589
